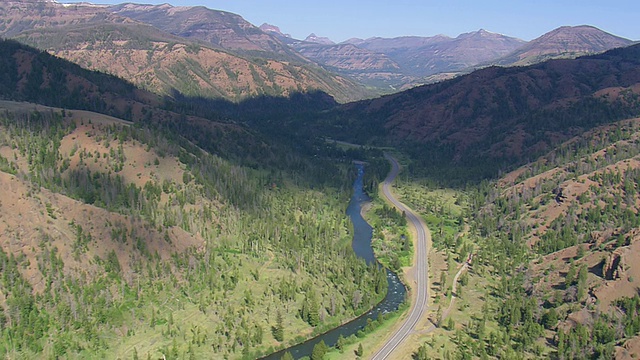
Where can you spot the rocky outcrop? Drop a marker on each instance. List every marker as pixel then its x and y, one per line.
pixel 220 28
pixel 612 268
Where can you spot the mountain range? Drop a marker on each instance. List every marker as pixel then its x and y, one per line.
pixel 199 63
pixel 566 41
pixel 202 52
pixel 403 62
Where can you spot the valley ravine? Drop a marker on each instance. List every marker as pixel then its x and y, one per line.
pixel 419 307
pixel 361 244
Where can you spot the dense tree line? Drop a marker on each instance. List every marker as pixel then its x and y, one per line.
pixel 47 82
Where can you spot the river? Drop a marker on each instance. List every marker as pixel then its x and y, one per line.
pixel 361 244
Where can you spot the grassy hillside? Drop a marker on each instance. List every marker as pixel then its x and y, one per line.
pixel 119 241
pixel 556 248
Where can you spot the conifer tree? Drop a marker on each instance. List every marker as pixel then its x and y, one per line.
pixel 278 330
pixel 319 350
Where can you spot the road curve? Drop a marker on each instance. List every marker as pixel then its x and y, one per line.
pixel 421 267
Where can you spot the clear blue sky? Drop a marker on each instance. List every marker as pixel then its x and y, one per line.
pixel 343 19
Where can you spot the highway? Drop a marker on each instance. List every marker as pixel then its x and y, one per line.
pixel 419 307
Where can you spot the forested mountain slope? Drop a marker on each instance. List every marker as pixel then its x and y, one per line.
pixel 118 241
pixel 35 76
pixel 123 237
pixel 499 115
pixel 558 239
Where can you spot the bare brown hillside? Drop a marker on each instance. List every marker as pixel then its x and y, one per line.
pixel 42 78
pixel 222 63
pixel 198 71
pixel 33 217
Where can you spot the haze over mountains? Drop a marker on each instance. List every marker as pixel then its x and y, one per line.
pixel 406 61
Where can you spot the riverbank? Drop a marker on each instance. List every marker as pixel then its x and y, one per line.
pixel 398 342
pixel 362 247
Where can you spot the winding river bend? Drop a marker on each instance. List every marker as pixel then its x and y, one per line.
pixel 361 244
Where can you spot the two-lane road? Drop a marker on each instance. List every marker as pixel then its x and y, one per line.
pixel 421 267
